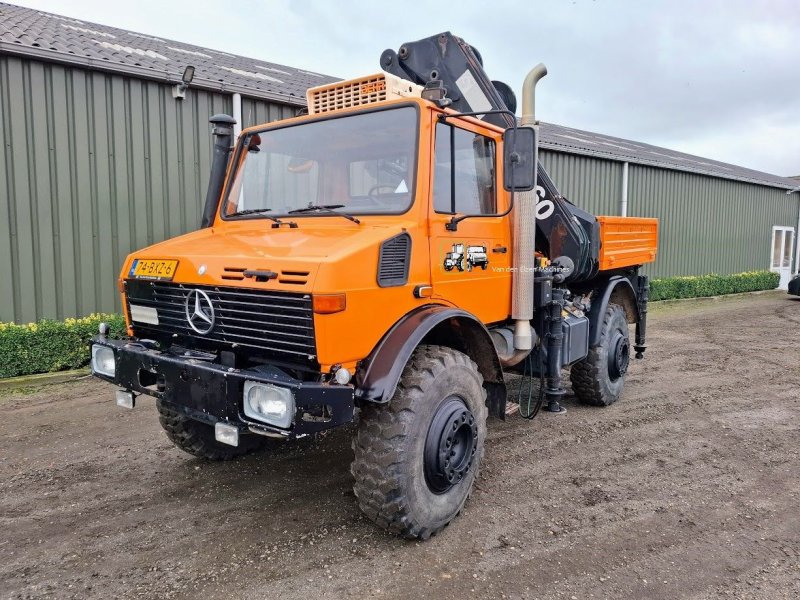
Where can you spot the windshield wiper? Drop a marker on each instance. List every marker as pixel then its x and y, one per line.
pixel 259 211
pixel 253 211
pixel 326 208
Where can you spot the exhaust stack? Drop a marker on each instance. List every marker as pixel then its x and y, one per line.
pixel 529 95
pixel 525 229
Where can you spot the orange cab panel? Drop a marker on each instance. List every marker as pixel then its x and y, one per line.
pixel 627 241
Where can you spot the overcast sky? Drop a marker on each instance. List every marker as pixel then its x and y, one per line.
pixel 717 78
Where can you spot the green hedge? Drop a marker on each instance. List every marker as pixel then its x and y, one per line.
pixel 51 345
pixel 712 285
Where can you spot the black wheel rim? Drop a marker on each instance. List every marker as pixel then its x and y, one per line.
pixel 450 445
pixel 619 354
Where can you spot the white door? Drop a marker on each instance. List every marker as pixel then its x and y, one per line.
pixel 782 246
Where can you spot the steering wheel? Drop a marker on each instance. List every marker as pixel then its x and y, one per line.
pixel 374 191
pixel 376 194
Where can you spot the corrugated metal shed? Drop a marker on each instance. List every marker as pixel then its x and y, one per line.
pixel 593 184
pixel 93 166
pixel 706 224
pixel 98 159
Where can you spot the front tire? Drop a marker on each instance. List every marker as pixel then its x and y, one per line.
pixel 417 457
pixel 599 378
pixel 198 439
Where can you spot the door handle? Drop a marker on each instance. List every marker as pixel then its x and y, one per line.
pixel 500 249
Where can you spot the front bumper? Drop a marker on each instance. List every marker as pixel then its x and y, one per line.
pixel 212 393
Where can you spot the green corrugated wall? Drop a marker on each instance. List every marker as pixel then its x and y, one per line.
pixel 255 112
pixel 594 185
pixel 706 224
pixel 95 165
pixel 709 224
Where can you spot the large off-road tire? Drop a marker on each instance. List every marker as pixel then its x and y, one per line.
pixel 599 378
pixel 417 457
pixel 197 438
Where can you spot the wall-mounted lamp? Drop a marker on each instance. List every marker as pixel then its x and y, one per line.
pixel 179 91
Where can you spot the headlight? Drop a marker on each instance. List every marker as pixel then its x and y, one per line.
pixel 103 361
pixel 269 403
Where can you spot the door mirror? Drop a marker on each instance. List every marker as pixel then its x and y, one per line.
pixel 519 159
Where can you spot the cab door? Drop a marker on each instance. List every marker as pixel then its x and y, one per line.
pixel 471 265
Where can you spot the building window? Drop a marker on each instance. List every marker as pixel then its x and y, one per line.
pixel 463 176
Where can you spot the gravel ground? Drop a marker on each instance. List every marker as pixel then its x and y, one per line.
pixel 687 488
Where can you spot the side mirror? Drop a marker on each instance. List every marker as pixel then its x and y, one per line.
pixel 519 159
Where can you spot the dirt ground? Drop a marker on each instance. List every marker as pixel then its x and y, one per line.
pixel 687 488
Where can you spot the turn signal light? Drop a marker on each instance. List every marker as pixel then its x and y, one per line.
pixel 325 304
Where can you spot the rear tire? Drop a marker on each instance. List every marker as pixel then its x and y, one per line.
pixel 599 378
pixel 417 457
pixel 197 438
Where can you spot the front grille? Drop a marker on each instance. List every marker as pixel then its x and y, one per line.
pixel 280 324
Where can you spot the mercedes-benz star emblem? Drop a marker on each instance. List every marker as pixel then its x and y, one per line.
pixel 199 311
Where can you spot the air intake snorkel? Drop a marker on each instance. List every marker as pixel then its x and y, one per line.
pixel 222 130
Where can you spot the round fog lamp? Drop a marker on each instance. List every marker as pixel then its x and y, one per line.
pixel 342 376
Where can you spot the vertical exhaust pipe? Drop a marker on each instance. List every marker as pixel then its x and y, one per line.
pixel 222 130
pixel 529 95
pixel 525 228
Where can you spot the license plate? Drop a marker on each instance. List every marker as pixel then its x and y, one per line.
pixel 157 269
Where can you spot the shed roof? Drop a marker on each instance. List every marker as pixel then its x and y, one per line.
pixel 46 36
pixel 576 141
pixel 34 33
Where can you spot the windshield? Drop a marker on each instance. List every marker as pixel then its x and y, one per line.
pixel 356 164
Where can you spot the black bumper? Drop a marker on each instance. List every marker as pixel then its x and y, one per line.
pixel 211 392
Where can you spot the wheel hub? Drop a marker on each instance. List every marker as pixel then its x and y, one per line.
pixel 619 354
pixel 450 445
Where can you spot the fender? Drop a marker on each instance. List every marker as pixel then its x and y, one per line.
pixel 378 375
pixel 616 284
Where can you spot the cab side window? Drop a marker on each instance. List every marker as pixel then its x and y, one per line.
pixel 467 160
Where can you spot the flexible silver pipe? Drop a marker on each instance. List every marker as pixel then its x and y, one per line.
pixel 525 231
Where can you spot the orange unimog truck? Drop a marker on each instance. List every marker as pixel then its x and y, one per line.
pixel 385 259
